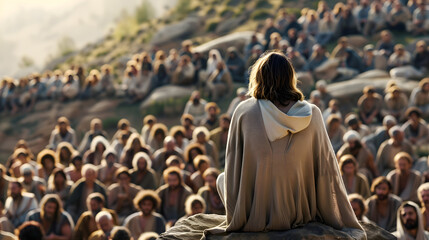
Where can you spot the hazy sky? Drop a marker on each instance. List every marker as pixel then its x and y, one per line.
pixel 32 28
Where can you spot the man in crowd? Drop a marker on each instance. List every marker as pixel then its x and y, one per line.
pixel 162 154
pixel 390 148
pixel 173 195
pixel 423 194
pixel 19 203
pixel 79 192
pixel 382 206
pixel 86 224
pixel 105 225
pixel 405 181
pixel 409 223
pixel 122 193
pixel 220 135
pixel 146 220
pixel 31 183
pixel 56 223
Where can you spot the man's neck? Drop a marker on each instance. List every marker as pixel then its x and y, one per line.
pixel 412 232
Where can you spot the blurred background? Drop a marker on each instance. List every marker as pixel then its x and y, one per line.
pixel 32 32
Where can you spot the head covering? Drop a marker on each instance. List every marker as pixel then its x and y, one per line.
pixel 351 135
pixel 389 119
pixel 401 233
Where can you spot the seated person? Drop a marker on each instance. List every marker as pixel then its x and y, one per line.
pixel 369 105
pixel 382 206
pixel 420 96
pixel 55 221
pixel 415 129
pixel 409 224
pixel 405 181
pixel 146 220
pixel 389 148
pixel 354 181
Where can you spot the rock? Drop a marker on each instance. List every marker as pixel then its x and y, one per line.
pixel 194 226
pixel 305 82
pixel 43 105
pixel 327 71
pixel 238 40
pixel 357 41
pixel 412 46
pixel 180 30
pixel 348 92
pixel 229 24
pixel 371 74
pixel 103 105
pixel 167 100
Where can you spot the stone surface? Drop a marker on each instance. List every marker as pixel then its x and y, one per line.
pixel 238 40
pixel 348 92
pixel 229 24
pixel 373 74
pixel 168 99
pixel 194 226
pixel 180 30
pixel 357 41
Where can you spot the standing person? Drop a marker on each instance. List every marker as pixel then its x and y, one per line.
pixel 266 130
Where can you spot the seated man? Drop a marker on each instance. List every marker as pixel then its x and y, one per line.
pixel 105 225
pixel 56 223
pixel 382 206
pixel 86 224
pixel 365 161
pixel 19 203
pixel 423 194
pixel 82 189
pixel 122 193
pixel 146 220
pixel 142 173
pixel 405 181
pixel 410 223
pixel 359 207
pixel 390 148
pixel 173 195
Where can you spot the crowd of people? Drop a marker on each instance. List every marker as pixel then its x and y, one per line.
pixel 147 180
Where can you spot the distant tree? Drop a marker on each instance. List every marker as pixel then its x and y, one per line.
pixel 26 62
pixel 145 12
pixel 66 45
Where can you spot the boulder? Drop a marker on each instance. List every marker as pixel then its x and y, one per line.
pixel 357 41
pixel 348 92
pixel 103 106
pixel 168 100
pixel 412 46
pixel 238 40
pixel 194 227
pixel 175 31
pixel 371 74
pixel 229 24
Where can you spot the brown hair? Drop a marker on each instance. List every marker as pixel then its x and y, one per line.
pixel 380 180
pixel 147 195
pixel 346 159
pixel 173 170
pixel 273 78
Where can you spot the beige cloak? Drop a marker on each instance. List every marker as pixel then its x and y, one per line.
pixel 281 171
